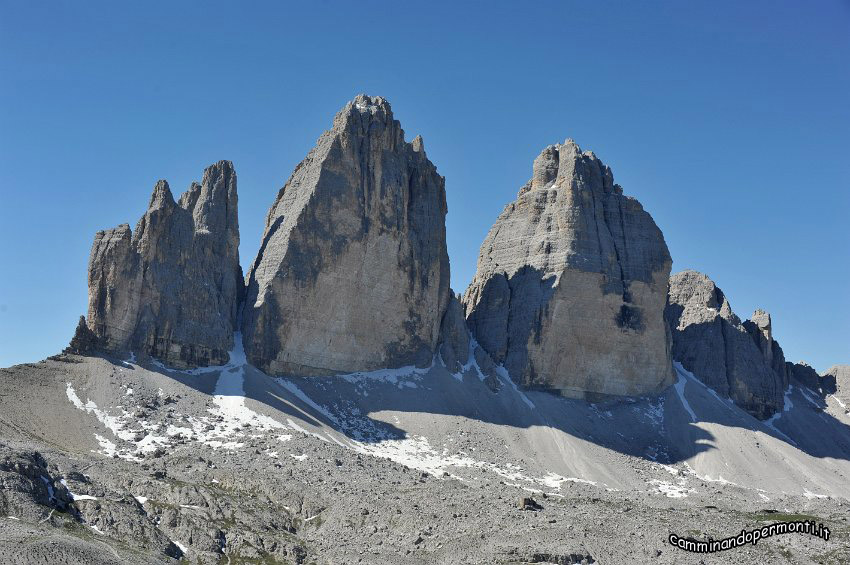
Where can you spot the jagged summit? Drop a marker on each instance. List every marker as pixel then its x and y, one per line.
pixel 171 287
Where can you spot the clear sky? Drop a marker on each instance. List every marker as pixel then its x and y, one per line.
pixel 729 121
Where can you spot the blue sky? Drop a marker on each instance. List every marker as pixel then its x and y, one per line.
pixel 729 121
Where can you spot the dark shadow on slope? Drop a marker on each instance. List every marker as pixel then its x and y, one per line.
pixel 657 428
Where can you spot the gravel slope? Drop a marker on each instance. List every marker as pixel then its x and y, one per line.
pixel 406 466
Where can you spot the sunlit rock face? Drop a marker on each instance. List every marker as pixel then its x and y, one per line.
pixel 171 288
pixel 353 272
pixel 571 284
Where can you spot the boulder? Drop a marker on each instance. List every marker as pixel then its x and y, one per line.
pixel 711 342
pixel 353 272
pixel 171 288
pixel 571 284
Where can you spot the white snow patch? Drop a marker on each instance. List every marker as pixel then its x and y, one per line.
pixel 808 397
pixel 302 457
pixel 180 546
pixel 96 529
pixel 293 388
pixel 838 400
pixel 787 405
pixel 810 495
pixel 682 376
pixel 141 499
pixel 670 490
pixel 402 377
pixel 106 447
pixel 74 496
pixel 13 518
pixel 708 478
pixel 503 374
pixel 553 480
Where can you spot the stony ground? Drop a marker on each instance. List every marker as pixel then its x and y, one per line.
pixel 119 461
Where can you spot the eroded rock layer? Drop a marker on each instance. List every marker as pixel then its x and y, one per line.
pixel 571 284
pixel 171 287
pixel 353 272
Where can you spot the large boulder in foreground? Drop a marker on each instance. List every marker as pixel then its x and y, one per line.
pixel 353 272
pixel 171 288
pixel 571 284
pixel 711 342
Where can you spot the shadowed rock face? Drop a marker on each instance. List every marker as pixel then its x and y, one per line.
pixel 836 381
pixel 571 284
pixel 736 359
pixel 353 272
pixel 171 288
pixel 760 328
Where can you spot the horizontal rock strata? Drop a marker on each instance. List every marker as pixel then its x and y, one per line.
pixel 571 284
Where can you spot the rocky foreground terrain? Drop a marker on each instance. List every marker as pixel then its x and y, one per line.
pixel 115 461
pixel 340 404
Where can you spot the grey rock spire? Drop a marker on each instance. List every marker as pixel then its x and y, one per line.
pixel 171 288
pixel 353 272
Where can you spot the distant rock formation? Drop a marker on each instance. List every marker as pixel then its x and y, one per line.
pixel 571 284
pixel 735 359
pixel 171 288
pixel 804 374
pixel 760 328
pixel 836 381
pixel 353 272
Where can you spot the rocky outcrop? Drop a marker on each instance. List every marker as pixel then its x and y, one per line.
pixel 352 272
pixel 571 284
pixel 836 381
pixel 760 328
pixel 712 343
pixel 171 287
pixel 84 340
pixel 804 374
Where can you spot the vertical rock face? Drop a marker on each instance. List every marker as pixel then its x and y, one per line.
pixel 571 284
pixel 760 329
pixel 353 272
pixel 171 288
pixel 454 337
pixel 711 342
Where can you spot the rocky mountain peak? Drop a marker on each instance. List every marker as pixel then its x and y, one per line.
pixel 161 196
pixel 573 256
pixel 171 288
pixel 353 270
